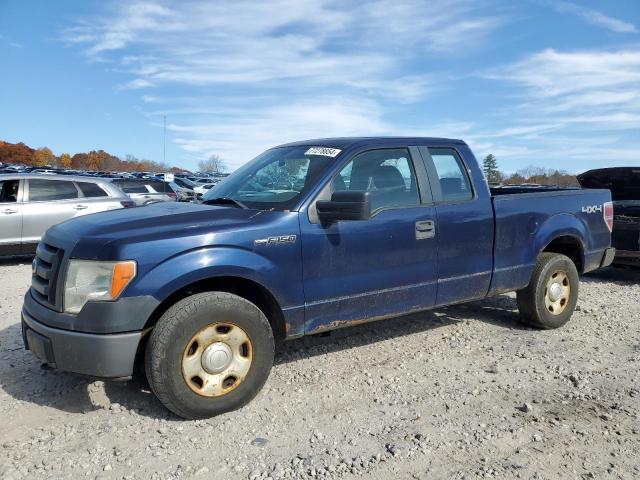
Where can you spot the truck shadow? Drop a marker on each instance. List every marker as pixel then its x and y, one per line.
pixel 619 276
pixel 16 260
pixel 24 378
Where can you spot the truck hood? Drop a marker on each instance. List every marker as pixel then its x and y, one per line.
pixel 624 182
pixel 101 234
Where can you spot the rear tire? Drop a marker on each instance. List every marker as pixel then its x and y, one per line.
pixel 209 353
pixel 551 296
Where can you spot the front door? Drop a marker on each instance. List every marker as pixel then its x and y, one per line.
pixel 48 202
pixel 358 270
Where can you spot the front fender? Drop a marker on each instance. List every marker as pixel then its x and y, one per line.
pixel 177 272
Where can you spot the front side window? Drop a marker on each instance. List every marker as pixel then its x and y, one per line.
pixel 9 191
pixel 387 174
pixel 276 179
pixel 49 190
pixel 452 175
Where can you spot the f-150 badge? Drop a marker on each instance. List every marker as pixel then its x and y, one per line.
pixel 275 240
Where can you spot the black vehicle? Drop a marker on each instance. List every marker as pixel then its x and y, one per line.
pixel 624 183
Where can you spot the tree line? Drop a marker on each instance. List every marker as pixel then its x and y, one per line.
pixel 97 160
pixel 530 174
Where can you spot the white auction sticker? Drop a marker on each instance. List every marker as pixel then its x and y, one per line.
pixel 324 151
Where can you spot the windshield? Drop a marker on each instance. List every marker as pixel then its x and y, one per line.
pixel 275 179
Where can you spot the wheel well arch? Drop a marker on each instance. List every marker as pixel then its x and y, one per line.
pixel 243 287
pixel 569 246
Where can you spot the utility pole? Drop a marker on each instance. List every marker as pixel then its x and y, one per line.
pixel 164 148
pixel 164 139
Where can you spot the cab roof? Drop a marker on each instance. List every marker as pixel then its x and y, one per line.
pixel 343 142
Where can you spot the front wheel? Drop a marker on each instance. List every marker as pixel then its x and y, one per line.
pixel 209 353
pixel 552 294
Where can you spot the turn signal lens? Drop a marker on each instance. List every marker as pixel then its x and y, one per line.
pixel 607 212
pixel 123 273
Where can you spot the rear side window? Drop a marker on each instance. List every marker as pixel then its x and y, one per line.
pixel 452 175
pixel 387 174
pixel 48 190
pixel 91 190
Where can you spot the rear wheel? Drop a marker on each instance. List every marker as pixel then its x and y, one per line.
pixel 209 354
pixel 551 296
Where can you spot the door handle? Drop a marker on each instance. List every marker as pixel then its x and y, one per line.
pixel 80 207
pixel 9 211
pixel 425 229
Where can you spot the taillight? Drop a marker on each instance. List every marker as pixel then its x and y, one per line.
pixel 171 194
pixel 127 204
pixel 608 215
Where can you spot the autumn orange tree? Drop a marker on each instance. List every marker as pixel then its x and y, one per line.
pixel 96 160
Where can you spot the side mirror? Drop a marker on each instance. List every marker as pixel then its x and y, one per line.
pixel 344 205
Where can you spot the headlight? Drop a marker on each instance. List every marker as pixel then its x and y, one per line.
pixel 88 280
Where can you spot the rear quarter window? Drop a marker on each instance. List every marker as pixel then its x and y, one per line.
pixel 132 187
pixel 91 190
pixel 159 187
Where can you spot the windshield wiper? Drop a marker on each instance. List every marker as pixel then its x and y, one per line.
pixel 225 201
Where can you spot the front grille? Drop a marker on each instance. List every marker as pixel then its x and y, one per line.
pixel 46 269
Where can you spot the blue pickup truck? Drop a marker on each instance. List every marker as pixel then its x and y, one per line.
pixel 307 237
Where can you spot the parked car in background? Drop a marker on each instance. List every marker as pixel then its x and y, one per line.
pixel 201 189
pixel 146 191
pixel 31 203
pixel 182 194
pixel 187 187
pixel 624 183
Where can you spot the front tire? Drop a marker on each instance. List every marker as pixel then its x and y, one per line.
pixel 551 296
pixel 209 353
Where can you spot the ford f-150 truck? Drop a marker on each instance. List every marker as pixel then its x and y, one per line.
pixel 307 237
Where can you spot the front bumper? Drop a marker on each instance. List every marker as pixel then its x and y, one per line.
pixel 96 355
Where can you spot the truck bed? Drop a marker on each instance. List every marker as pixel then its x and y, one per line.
pixel 526 218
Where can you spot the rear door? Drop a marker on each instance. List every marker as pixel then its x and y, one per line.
pixel 47 203
pixel 10 216
pixel 464 226
pixel 95 198
pixel 366 269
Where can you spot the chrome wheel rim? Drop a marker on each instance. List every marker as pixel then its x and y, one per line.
pixel 557 292
pixel 217 359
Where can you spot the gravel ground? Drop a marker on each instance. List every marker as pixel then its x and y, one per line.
pixel 461 392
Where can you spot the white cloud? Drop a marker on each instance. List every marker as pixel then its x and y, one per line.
pixel 595 17
pixel 239 138
pixel 596 87
pixel 136 84
pixel 280 70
